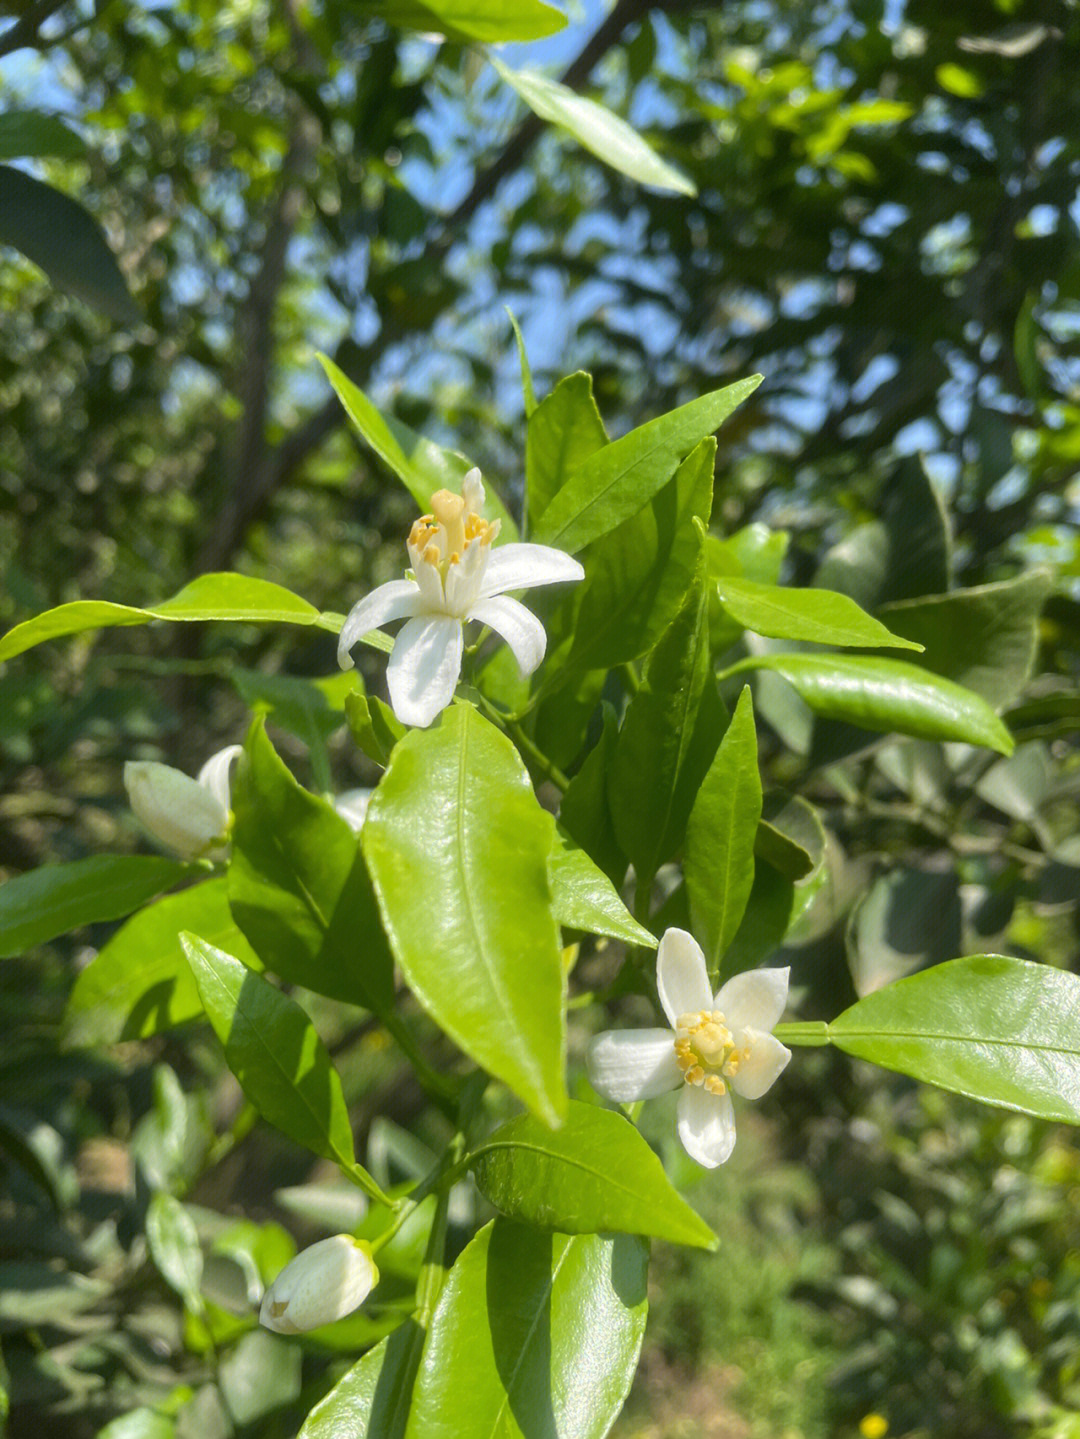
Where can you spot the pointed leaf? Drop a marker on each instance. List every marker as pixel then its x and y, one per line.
pixel 272 1048
pixel 546 1327
pixel 174 1248
pixel 582 896
pixel 140 982
pixel 371 1401
pixel 457 847
pixel 596 1173
pixel 718 862
pixel 29 133
pixel 605 134
pixel 614 483
pixel 881 694
pixel 422 466
pixel 564 430
pixel 1002 1030
pixel 46 902
pixel 790 835
pixel 820 617
pixel 490 21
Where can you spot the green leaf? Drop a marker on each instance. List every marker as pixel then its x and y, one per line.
pixel 26 134
pixel 46 902
pixel 618 480
pixel 260 1374
pixel 585 813
pixel 210 597
pixel 57 234
pixel 528 393
pixel 637 576
pixel 790 835
pixel 298 888
pixel 755 552
pixel 142 1423
pixel 374 726
pixel 140 983
pixel 422 466
pixel 457 847
pixel 371 1401
pixel 546 1327
pixel 272 1048
pixel 174 1248
pixel 821 617
pixel 718 862
pixel 667 741
pixel 983 638
pixel 310 709
pixel 908 918
pixel 582 896
pixel 1002 1030
pixel 886 694
pixel 594 1174
pixel 605 134
pixel 490 21
pixel 564 430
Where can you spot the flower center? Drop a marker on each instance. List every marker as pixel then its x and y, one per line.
pixel 443 537
pixel 705 1050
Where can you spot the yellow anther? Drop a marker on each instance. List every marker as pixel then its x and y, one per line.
pixel 704 1050
pixel 432 555
pixel 455 559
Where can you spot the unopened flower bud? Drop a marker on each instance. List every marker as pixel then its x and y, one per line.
pixel 323 1283
pixel 189 816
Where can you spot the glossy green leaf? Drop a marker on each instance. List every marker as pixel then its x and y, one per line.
pixel 718 858
pixel 174 1248
pixel 57 234
pixel 374 726
pixel 298 888
pixel 564 430
pixel 272 1048
pixel 1002 1030
pixel 422 466
pixel 637 576
pixel 371 1401
pixel 983 638
pixel 886 694
pixel 594 1174
pixel 582 896
pixel 490 21
pixel 26 134
pixel 310 709
pixel 260 1374
pixel 755 552
pixel 821 617
pixel 667 741
pixel 618 480
pixel 140 983
pixel 597 128
pixel 457 847
pixel 790 835
pixel 585 814
pixel 46 902
pixel 210 597
pixel 534 1334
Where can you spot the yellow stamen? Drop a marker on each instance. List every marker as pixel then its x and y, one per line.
pixel 448 509
pixel 705 1050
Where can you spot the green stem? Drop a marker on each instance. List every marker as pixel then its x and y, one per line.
pixel 740 667
pixel 813 1032
pixel 442 1177
pixel 358 1175
pixel 549 770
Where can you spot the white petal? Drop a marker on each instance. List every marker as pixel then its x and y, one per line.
pixel 463 580
pixel 754 999
pixel 706 1125
pixel 323 1283
pixel 352 806
pixel 523 567
pixel 424 668
pixel 681 976
pixel 175 808
pixel 764 1062
pixel 214 774
pixel 429 582
pixel 518 626
pixel 629 1064
pixel 472 492
pixel 396 600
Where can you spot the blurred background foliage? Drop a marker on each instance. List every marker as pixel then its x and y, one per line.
pixel 886 227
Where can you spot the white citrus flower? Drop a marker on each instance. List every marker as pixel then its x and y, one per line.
pixel 715 1042
pixel 352 806
pixel 323 1283
pixel 189 816
pixel 456 576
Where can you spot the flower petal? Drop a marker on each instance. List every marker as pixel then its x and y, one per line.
pixel 706 1125
pixel 754 999
pixel 681 976
pixel 629 1064
pixel 518 626
pixel 765 1058
pixel 396 600
pixel 523 567
pixel 175 808
pixel 214 774
pixel 352 806
pixel 424 668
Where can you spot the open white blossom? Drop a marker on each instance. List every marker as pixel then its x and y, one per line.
pixel 456 576
pixel 323 1283
pixel 189 816
pixel 715 1042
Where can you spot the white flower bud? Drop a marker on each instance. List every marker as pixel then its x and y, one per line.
pixel 323 1283
pixel 183 814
